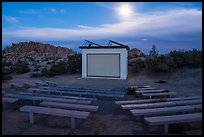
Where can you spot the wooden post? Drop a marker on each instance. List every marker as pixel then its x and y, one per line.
pixel 72 123
pixel 166 128
pixel 31 117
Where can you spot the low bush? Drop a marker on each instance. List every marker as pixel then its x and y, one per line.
pixel 160 64
pixel 130 91
pixel 139 65
pixel 36 75
pixel 73 65
pixel 22 68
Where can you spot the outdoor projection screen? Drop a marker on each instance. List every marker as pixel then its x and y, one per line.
pixel 103 65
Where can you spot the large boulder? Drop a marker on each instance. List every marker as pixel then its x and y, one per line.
pixel 134 53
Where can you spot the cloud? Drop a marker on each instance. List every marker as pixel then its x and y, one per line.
pixel 54 10
pixel 44 10
pixel 162 25
pixel 10 19
pixel 29 11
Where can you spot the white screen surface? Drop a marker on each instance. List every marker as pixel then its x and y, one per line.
pixel 107 65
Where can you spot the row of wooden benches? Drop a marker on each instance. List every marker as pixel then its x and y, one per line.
pixel 77 92
pixel 77 107
pixel 149 92
pixel 149 107
pixel 26 84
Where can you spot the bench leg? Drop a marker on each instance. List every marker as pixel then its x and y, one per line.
pixel 73 123
pixel 166 129
pixel 34 102
pixel 31 117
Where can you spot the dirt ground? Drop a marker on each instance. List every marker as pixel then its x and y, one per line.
pixel 110 119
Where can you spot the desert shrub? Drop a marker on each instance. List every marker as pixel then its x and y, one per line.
pixel 22 68
pixel 139 65
pixel 57 69
pixel 7 69
pixel 74 64
pixel 176 128
pixel 6 77
pixel 192 59
pixel 130 91
pixel 46 72
pixel 160 64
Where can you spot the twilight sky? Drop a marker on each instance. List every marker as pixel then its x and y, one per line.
pixel 168 25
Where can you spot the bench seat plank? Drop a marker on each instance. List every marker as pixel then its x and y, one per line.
pixel 58 96
pixel 51 83
pixel 150 88
pixel 66 100
pixel 56 91
pixel 151 91
pixel 25 97
pixel 148 105
pixel 135 101
pixel 84 90
pixel 40 98
pixel 159 120
pixel 183 98
pixel 197 107
pixel 145 86
pixel 9 100
pixel 69 106
pixel 41 84
pixel 159 94
pixel 188 102
pixel 168 110
pixel 55 111
pixel 166 120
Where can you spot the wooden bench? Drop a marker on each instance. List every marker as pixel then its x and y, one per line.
pixel 26 84
pixel 197 107
pixel 166 120
pixel 23 97
pixel 9 100
pixel 51 83
pixel 146 86
pixel 150 95
pixel 13 85
pixel 66 100
pixel 80 92
pixel 73 114
pixel 182 98
pixel 148 105
pixel 165 110
pixel 135 101
pixel 150 88
pixel 41 98
pixel 85 88
pixel 69 106
pixel 41 84
pixel 151 91
pixel 56 91
pixel 188 102
pixel 58 96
